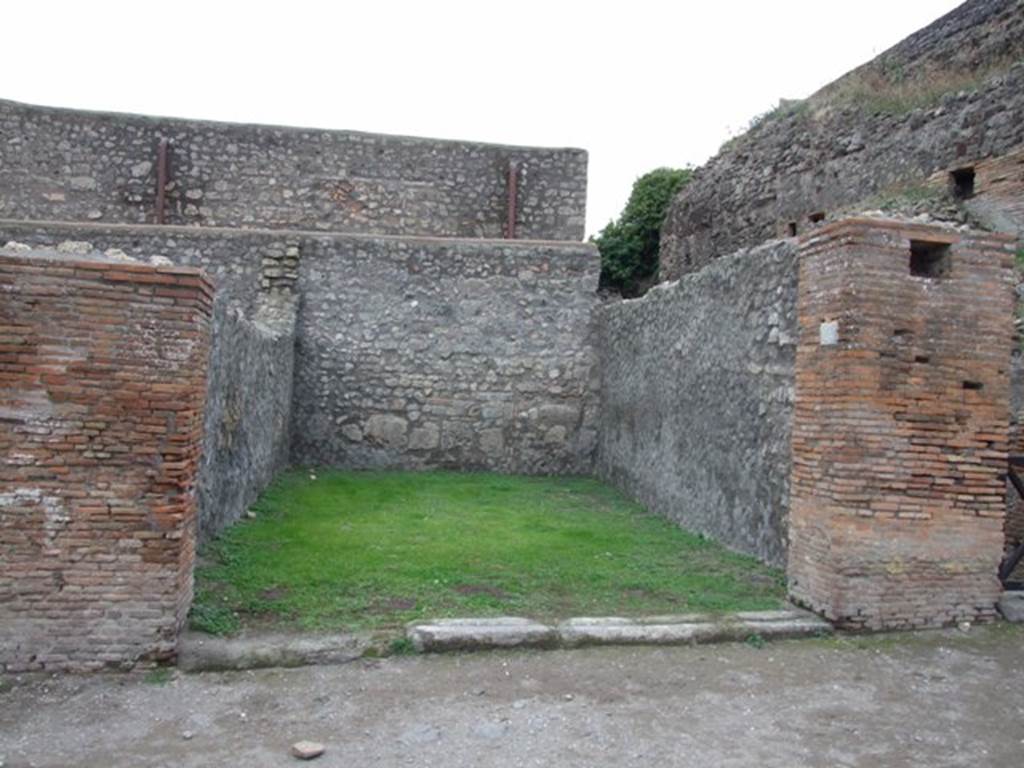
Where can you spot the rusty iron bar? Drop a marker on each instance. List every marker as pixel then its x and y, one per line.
pixel 161 181
pixel 1013 558
pixel 1016 481
pixel 1010 563
pixel 513 193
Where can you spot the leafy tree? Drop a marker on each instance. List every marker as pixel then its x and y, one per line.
pixel 629 245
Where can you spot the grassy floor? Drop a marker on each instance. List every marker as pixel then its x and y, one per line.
pixel 371 550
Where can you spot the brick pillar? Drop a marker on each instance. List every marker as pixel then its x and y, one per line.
pixel 102 388
pixel 900 423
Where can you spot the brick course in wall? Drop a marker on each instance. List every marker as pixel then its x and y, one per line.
pixel 900 428
pixel 102 384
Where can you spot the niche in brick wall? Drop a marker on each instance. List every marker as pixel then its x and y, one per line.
pixel 961 183
pixel 931 260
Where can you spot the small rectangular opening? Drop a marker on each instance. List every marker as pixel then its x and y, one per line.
pixel 791 228
pixel 961 183
pixel 922 359
pixel 931 260
pixel 973 385
pixel 816 217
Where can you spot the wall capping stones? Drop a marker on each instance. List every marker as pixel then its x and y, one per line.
pixel 158 121
pixel 84 227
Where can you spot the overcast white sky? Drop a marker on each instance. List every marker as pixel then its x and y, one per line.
pixel 639 84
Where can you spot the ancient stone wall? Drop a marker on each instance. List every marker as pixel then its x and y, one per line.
pixel 696 390
pixel 947 97
pixel 59 164
pixel 248 406
pixel 995 196
pixel 463 354
pixel 408 352
pixel 102 382
pixel 900 429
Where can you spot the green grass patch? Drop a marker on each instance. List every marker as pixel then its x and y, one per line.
pixel 756 641
pixel 401 646
pixel 212 615
pixel 372 550
pixel 158 676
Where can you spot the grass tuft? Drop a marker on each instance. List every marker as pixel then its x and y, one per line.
pixel 374 550
pixel 402 646
pixel 158 676
pixel 207 616
pixel 756 640
pixel 888 88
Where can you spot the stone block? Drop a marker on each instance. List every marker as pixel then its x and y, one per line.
pixel 425 437
pixel 479 634
pixel 387 429
pixel 1011 605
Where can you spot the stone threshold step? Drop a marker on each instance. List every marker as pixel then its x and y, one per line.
pixel 514 632
pixel 199 652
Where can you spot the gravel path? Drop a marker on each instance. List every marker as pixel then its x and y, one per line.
pixel 935 699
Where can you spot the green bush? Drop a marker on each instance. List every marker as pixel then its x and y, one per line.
pixel 629 245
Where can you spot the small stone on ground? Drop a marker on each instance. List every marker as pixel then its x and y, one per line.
pixel 307 750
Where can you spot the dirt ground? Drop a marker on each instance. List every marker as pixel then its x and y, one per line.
pixel 934 699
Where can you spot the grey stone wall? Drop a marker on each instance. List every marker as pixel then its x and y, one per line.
pixel 250 376
pixel 60 164
pixel 696 386
pixel 404 352
pixel 446 353
pixel 247 415
pixel 860 136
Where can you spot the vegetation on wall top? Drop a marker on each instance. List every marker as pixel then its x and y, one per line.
pixel 629 245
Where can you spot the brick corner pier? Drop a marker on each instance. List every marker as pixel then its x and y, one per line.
pixel 103 368
pixel 900 430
